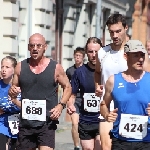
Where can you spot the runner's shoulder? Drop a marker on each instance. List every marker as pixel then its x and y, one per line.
pixel 70 68
pixel 105 48
pixel 81 68
pixel 102 52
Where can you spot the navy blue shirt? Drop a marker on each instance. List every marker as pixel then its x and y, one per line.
pixel 83 79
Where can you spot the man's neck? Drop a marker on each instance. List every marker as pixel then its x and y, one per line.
pixel 135 75
pixel 78 65
pixel 117 47
pixel 91 65
pixel 36 62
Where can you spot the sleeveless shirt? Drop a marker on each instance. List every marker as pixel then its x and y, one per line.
pixel 131 98
pixel 40 86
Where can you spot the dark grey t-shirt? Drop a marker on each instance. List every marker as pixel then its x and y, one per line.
pixel 70 72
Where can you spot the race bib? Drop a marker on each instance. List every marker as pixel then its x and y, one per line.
pixel 34 109
pixel 13 121
pixel 91 102
pixel 133 126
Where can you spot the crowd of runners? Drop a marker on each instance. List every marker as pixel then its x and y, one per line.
pixel 107 97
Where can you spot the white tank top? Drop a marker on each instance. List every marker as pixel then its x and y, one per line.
pixel 112 62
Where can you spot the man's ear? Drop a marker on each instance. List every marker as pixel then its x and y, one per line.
pixel 46 46
pixel 126 28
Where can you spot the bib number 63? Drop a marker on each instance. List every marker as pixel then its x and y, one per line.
pixel 93 103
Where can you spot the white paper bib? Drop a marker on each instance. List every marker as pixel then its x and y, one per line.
pixel 91 102
pixel 133 126
pixel 34 109
pixel 13 121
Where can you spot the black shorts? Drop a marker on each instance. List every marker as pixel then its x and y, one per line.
pixel 4 139
pixel 88 131
pixel 124 145
pixel 38 136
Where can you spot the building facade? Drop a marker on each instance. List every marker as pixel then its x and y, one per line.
pixel 35 17
pixel 79 23
pixel 66 24
pixel 22 18
pixel 141 21
pixel 9 13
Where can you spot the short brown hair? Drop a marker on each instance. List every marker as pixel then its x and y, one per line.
pixel 115 18
pixel 79 50
pixel 93 40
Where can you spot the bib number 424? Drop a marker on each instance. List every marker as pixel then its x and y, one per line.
pixel 133 127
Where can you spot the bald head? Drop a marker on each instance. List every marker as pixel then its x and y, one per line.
pixel 37 37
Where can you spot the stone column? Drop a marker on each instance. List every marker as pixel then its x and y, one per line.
pixel 143 25
pixel 136 20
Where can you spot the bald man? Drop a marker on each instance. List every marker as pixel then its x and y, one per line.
pixel 37 77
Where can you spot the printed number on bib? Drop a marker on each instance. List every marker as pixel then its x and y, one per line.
pixel 133 126
pixel 13 121
pixel 91 102
pixel 34 109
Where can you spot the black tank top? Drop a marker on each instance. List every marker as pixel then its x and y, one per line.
pixel 39 87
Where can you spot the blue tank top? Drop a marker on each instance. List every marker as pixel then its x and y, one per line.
pixel 131 98
pixel 9 108
pixel 83 79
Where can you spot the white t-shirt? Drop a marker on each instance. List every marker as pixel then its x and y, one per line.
pixel 112 62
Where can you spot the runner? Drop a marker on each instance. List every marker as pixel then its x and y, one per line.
pixel 38 79
pixel 9 113
pixel 79 54
pixel 83 79
pixel 130 92
pixel 110 61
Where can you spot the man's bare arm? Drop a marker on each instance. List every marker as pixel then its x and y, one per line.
pixel 97 78
pixel 62 79
pixel 15 80
pixel 16 102
pixel 104 106
pixel 97 75
pixel 72 99
pixel 70 105
pixel 15 89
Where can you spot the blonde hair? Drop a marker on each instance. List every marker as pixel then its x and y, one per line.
pixel 12 59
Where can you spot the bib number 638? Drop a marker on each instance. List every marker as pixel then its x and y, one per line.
pixel 33 110
pixel 93 103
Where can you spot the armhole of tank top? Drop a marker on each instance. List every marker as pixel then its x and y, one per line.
pixel 114 85
pixel 116 77
pixel 53 64
pixel 25 64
